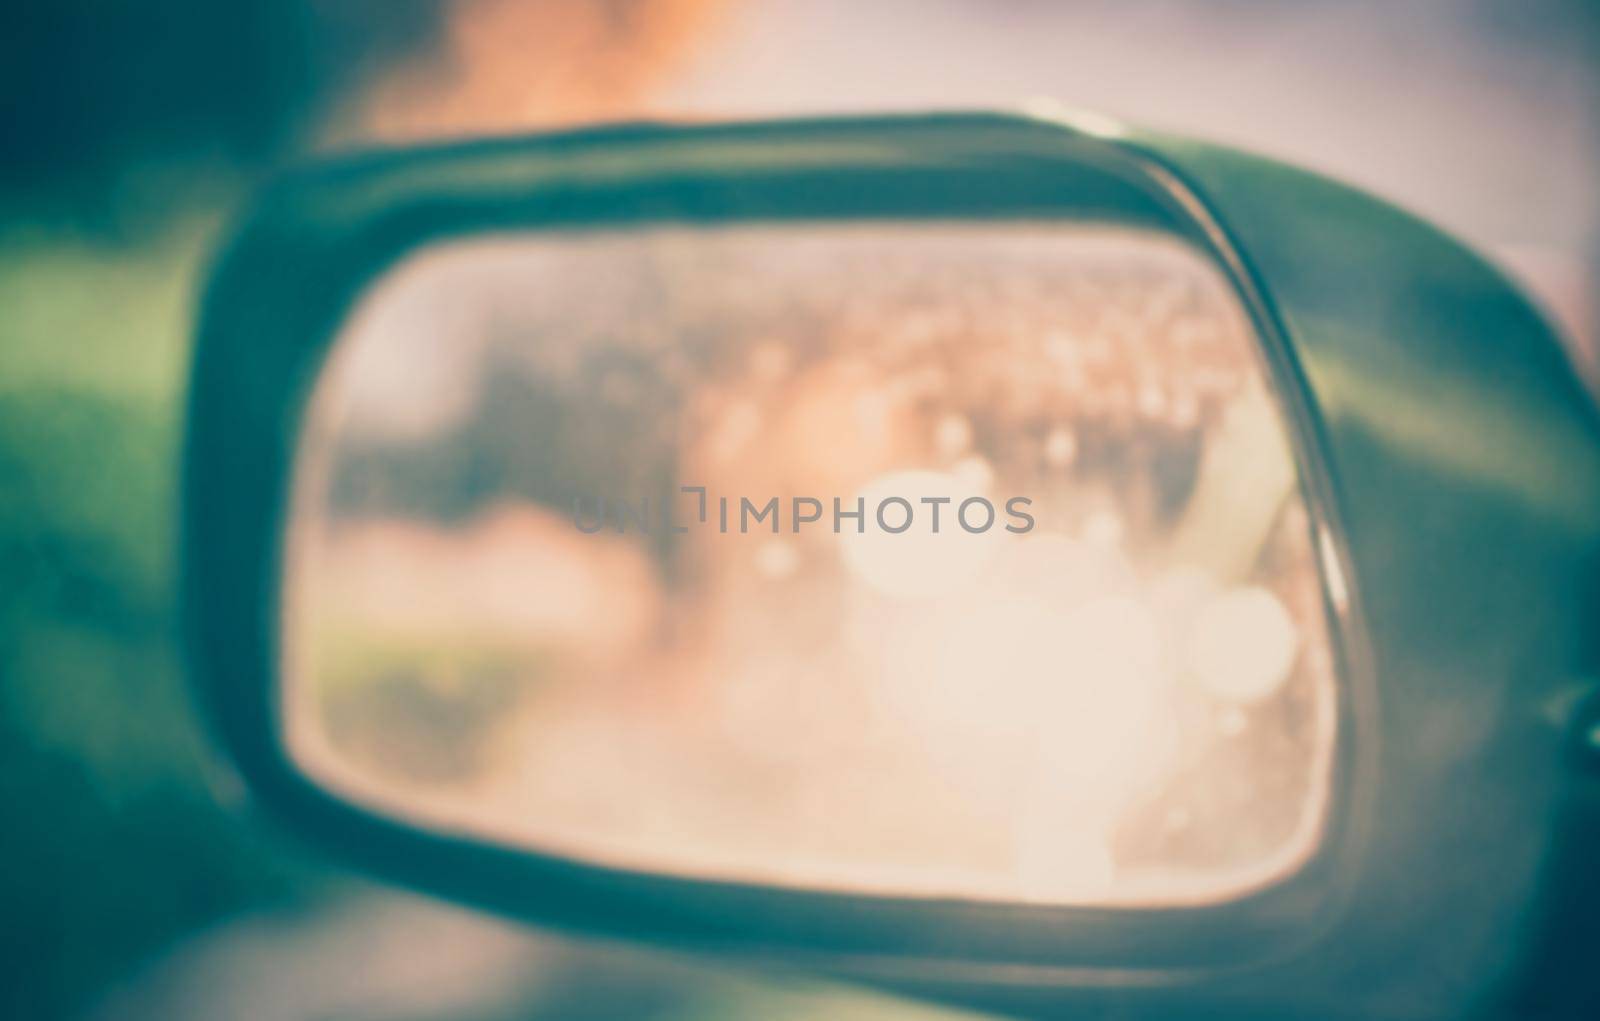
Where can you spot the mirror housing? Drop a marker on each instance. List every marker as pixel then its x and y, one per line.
pixel 1451 459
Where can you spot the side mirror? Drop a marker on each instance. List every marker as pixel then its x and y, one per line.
pixel 964 552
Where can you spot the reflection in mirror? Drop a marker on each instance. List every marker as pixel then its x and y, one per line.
pixel 956 560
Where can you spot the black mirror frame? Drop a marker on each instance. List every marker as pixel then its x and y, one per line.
pixel 312 242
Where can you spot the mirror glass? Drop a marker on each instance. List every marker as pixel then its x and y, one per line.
pixel 961 560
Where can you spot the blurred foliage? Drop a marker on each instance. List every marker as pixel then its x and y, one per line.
pixel 129 128
pixel 102 88
pixel 420 708
pixel 113 844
